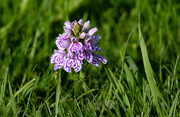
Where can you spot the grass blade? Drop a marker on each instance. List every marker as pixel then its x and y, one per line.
pixel 129 75
pixel 149 73
pixel 118 90
pixel 3 87
pixel 70 107
pixel 173 107
pixel 12 99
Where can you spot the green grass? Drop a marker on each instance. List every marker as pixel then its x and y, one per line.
pixel 140 40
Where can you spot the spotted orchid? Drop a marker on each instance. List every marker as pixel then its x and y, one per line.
pixel 77 44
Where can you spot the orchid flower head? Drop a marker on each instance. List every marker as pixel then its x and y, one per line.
pixel 77 44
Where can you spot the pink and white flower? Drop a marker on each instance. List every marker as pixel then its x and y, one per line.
pixel 78 43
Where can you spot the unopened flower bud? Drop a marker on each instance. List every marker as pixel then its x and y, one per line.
pixel 76 28
pixel 86 25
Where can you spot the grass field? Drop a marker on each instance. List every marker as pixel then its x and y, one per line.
pixel 140 40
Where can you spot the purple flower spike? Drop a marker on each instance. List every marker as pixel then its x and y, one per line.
pixel 77 44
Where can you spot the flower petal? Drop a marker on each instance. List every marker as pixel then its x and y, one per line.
pixel 86 25
pixel 58 66
pixel 54 57
pixel 68 25
pixel 97 58
pixel 62 43
pixel 90 46
pixel 83 34
pixel 62 52
pixel 80 56
pixel 103 59
pixel 95 39
pixel 67 30
pixel 88 56
pixel 75 47
pixel 80 22
pixel 74 39
pixel 77 65
pixel 95 62
pixel 92 31
pixel 57 58
pixel 100 58
pixel 68 65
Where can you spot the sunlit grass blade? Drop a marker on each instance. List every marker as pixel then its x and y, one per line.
pixel 149 74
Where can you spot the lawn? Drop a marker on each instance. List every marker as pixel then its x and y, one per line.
pixel 140 40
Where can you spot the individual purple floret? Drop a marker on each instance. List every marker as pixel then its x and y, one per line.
pixel 78 43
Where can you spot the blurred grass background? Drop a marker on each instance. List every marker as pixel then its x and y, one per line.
pixel 28 30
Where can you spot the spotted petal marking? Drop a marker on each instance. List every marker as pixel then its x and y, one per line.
pixel 57 66
pixel 80 56
pixel 90 46
pixel 75 47
pixel 101 58
pixel 56 58
pixel 68 65
pixel 77 65
pixel 96 60
pixel 62 43
pixel 88 55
